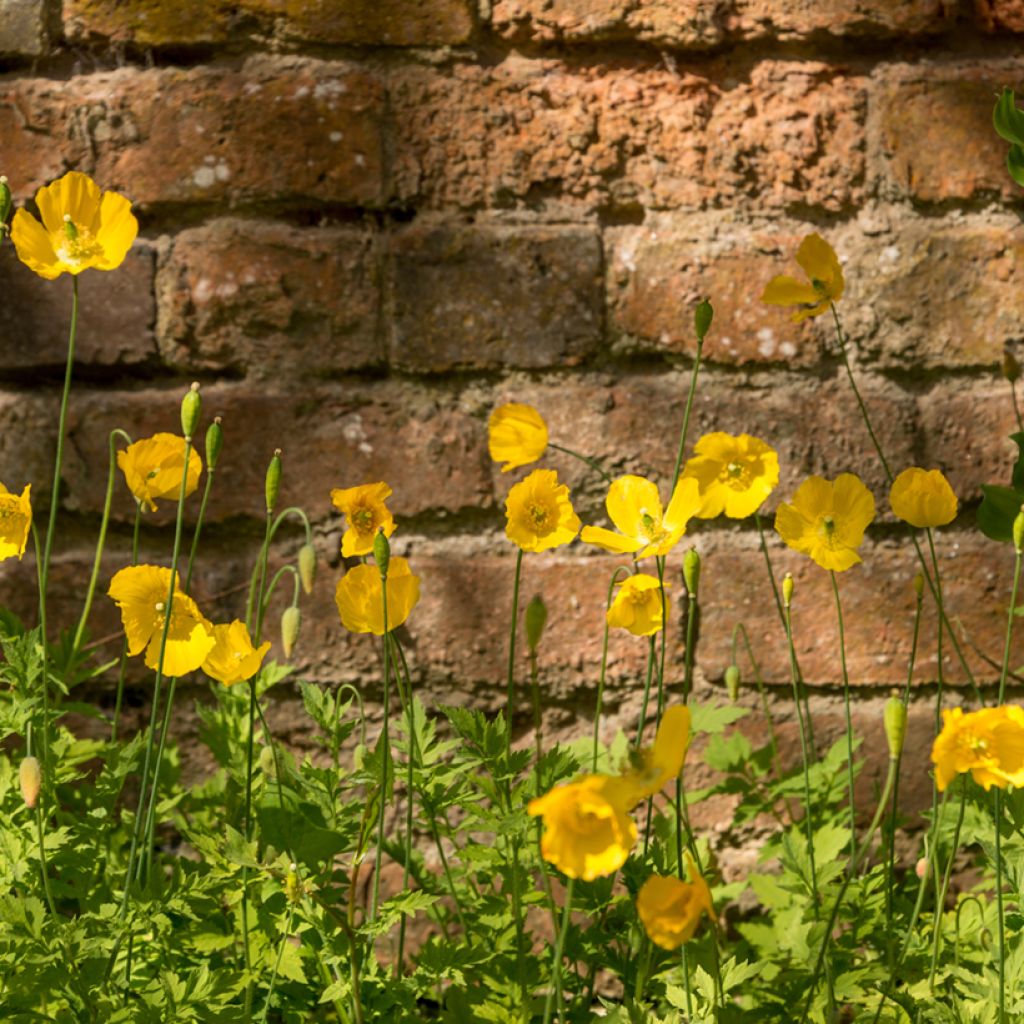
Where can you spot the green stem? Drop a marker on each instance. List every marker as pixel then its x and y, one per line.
pixel 583 458
pixel 1004 671
pixel 773 741
pixel 556 967
pixel 277 964
pixel 511 681
pixel 940 899
pixel 247 826
pixel 684 430
pixel 147 844
pixel 642 723
pixel 849 720
pixel 122 669
pixel 1016 406
pixel 384 745
pixel 604 664
pixel 207 487
pixel 999 905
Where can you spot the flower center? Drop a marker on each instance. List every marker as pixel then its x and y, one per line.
pixel 160 606
pixel 78 245
pixel 539 515
pixel 362 519
pixel 828 524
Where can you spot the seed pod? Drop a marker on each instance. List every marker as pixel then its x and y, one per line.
pixel 191 406
pixel 214 443
pixel 307 567
pixel 895 718
pixel 787 589
pixel 702 317
pixel 691 571
pixel 291 620
pixel 382 553
pixel 1018 531
pixel 732 682
pixel 536 619
pixel 919 585
pixel 31 778
pixel 273 481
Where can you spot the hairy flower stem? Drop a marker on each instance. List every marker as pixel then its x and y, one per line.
pixel 122 668
pixel 849 721
pixel 556 967
pixel 604 665
pixel 90 590
pixel 253 618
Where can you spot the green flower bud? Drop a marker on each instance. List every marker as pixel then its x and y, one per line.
pixel 5 203
pixel 1011 368
pixel 919 585
pixel 787 589
pixel 191 406
pixel 214 443
pixel 307 567
pixel 691 571
pixel 536 619
pixel 267 763
pixel 31 777
pixel 291 620
pixel 382 553
pixel 358 757
pixel 702 317
pixel 895 725
pixel 732 682
pixel 1018 531
pixel 273 482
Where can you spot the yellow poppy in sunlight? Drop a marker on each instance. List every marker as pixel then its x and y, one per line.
pixel 539 514
pixel 15 522
pixel 653 767
pixel 233 658
pixel 988 743
pixel 637 606
pixel 152 468
pixel 587 830
pixel 824 284
pixel 366 513
pixel 517 435
pixel 360 597
pixel 634 506
pixel 827 520
pixel 670 909
pixel 82 228
pixel 735 474
pixel 923 497
pixel 140 592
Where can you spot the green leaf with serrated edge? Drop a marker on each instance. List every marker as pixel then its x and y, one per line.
pixel 1007 120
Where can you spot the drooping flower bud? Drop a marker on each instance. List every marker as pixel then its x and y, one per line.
pixel 1018 531
pixel 732 682
pixel 1010 367
pixel 191 406
pixel 214 443
pixel 268 765
pixel 31 777
pixel 787 589
pixel 307 567
pixel 691 571
pixel 702 317
pixel 536 620
pixel 895 725
pixel 273 481
pixel 291 620
pixel 382 552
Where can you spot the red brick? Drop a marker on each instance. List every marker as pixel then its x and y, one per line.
pixel 540 132
pixel 1001 15
pixel 115 321
pixel 151 23
pixel 203 135
pixel 934 127
pixel 270 300
pixel 791 19
pixel 432 452
pixel 658 273
pixel 378 22
pixel 484 297
pixel 936 294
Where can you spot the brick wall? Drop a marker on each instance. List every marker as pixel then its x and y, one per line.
pixel 364 224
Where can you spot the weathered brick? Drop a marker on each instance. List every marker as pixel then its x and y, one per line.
pixel 696 25
pixel 936 294
pixel 203 135
pixel 431 451
pixel 934 127
pixel 657 273
pixel 996 15
pixel 378 22
pixel 270 300
pixel 147 22
pixel 23 27
pixel 529 133
pixel 483 297
pixel 115 322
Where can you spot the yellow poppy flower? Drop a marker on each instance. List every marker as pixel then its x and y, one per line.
pixel 140 591
pixel 634 506
pixel 360 598
pixel 824 283
pixel 233 658
pixel 539 514
pixel 152 468
pixel 517 435
pixel 366 513
pixel 827 520
pixel 15 522
pixel 587 830
pixel 988 743
pixel 654 767
pixel 670 909
pixel 81 228
pixel 735 474
pixel 923 497
pixel 637 606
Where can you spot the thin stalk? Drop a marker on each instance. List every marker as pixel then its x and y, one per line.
pixel 594 465
pixel 604 664
pixel 849 720
pixel 642 723
pixel 277 965
pixel 1010 617
pixel 940 900
pixel 384 745
pixel 511 695
pixel 150 825
pixel 773 740
pixel 1001 958
pixel 122 669
pixel 1016 406
pixel 684 430
pixel 246 948
pixel 556 967
pixel 207 487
